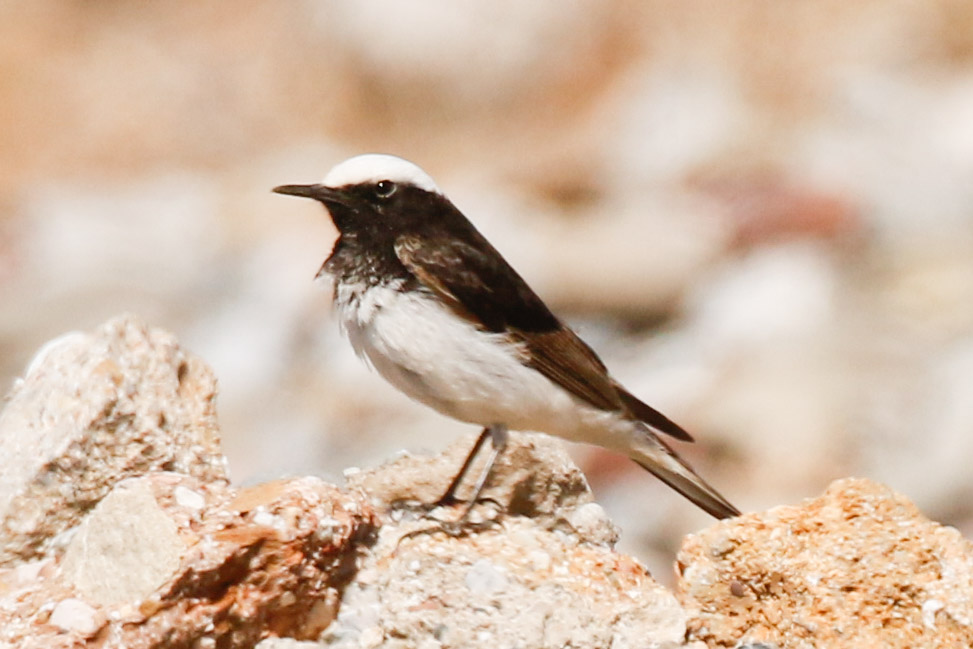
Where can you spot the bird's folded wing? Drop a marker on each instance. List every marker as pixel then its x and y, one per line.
pixel 566 360
pixel 478 285
pixel 476 282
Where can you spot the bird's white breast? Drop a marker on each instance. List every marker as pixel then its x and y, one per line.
pixel 425 350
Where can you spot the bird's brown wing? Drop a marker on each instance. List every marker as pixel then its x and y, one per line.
pixel 476 282
pixel 478 285
pixel 644 412
pixel 567 361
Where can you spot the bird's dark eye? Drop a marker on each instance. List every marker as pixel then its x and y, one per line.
pixel 385 188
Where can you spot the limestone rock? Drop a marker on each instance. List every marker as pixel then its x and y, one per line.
pixel 180 559
pixel 167 559
pixel 267 560
pixel 533 477
pixel 125 549
pixel 302 560
pixel 518 580
pixel 289 643
pixel 93 409
pixel 515 585
pixel 856 567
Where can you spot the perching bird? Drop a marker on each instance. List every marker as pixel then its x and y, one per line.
pixel 440 314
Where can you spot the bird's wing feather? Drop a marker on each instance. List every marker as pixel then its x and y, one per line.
pixel 476 282
pixel 566 360
pixel 478 285
pixel 646 413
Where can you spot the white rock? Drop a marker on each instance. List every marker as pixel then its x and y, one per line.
pixel 75 615
pixel 485 578
pixel 126 548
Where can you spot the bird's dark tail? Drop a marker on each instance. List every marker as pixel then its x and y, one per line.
pixel 655 456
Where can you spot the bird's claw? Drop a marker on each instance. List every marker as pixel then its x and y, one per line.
pixel 459 528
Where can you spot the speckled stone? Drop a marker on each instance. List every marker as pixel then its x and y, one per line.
pixel 857 567
pixel 93 409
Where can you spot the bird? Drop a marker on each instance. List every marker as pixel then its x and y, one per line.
pixel 435 309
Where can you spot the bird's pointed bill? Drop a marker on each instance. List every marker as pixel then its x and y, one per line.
pixel 317 192
pixel 305 191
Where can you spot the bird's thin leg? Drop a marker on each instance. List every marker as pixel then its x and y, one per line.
pixel 449 497
pixel 461 526
pixel 498 436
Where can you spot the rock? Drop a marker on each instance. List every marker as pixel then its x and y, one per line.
pixel 73 615
pixel 125 549
pixel 533 477
pixel 172 560
pixel 91 410
pixel 166 560
pixel 527 578
pixel 514 584
pixel 267 560
pixel 856 567
pixel 288 643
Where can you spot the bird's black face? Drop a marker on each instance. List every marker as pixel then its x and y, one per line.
pixel 373 215
pixel 377 211
pixel 372 206
pixel 351 205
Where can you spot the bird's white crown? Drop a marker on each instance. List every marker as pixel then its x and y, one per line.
pixel 373 167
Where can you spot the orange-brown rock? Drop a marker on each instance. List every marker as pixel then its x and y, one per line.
pixel 856 567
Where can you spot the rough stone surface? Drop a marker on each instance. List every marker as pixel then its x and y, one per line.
pixel 289 643
pixel 93 409
pixel 518 582
pixel 267 560
pixel 533 477
pixel 170 560
pixel 856 567
pixel 125 548
pixel 517 585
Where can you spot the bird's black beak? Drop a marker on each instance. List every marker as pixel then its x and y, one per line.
pixel 323 193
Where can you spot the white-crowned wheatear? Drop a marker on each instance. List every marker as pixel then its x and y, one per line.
pixel 426 299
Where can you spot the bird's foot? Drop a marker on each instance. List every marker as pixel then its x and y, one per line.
pixel 464 526
pixel 429 510
pixel 448 500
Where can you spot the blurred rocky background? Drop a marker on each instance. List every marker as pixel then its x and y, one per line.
pixel 759 213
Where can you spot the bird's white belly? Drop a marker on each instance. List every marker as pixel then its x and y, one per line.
pixel 443 361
